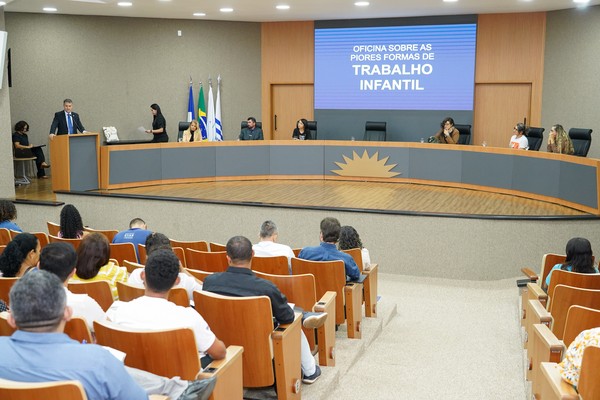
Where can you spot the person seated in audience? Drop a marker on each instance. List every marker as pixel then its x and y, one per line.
pixel 71 225
pixel 268 246
pixel 349 239
pixel 448 134
pixel 136 234
pixel 23 149
pixel 252 132
pixel 93 263
pixel 240 281
pixel 559 141
pixel 155 311
pixel 327 250
pixel 301 132
pixel 60 259
pixel 156 241
pixel 192 133
pixel 39 351
pixel 579 258
pixel 519 140
pixel 8 213
pixel 570 366
pixel 20 256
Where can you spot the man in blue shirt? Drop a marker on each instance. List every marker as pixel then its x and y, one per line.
pixel 327 250
pixel 39 351
pixel 136 234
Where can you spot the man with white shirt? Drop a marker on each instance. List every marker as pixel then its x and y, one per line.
pixel 154 311
pixel 60 259
pixel 268 246
pixel 66 122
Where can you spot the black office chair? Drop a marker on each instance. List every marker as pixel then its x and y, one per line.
pixel 312 126
pixel 535 137
pixel 375 131
pixel 465 134
pixel 582 139
pixel 245 124
pixel 183 125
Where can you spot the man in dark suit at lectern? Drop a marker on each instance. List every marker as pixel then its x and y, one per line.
pixel 66 122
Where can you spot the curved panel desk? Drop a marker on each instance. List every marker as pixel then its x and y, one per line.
pixel 566 180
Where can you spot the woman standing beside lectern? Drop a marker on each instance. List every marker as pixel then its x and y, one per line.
pixel 159 125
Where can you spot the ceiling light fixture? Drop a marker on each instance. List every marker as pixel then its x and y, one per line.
pixel 581 1
pixel 450 1
pixel 282 7
pixel 50 9
pixel 2 3
pixel 124 4
pixel 361 3
pixel 198 14
pixel 226 9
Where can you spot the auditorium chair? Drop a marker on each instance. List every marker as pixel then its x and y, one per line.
pixel 122 252
pixel 173 352
pixel 5 285
pixel 97 290
pixel 109 233
pixel 206 260
pixel 53 228
pixel 465 134
pixel 245 124
pixel 535 137
pixel 369 284
pixel 331 276
pixel 271 356
pixel 5 237
pixel 128 292
pixel 73 242
pixel 201 245
pixel 199 274
pixel 132 266
pixel 276 265
pixel 300 290
pixel 183 125
pixel 213 247
pixel 312 126
pixel 582 140
pixel 553 387
pixel 63 390
pixel 546 347
pixel 76 328
pixel 41 236
pixel 375 131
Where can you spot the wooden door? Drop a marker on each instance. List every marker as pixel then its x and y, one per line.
pixel 498 107
pixel 290 103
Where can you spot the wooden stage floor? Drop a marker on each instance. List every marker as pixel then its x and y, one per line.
pixel 392 198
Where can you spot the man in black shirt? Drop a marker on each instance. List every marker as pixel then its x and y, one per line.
pixel 240 281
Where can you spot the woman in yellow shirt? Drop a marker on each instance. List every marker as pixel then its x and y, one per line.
pixel 93 263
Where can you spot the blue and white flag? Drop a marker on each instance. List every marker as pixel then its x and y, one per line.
pixel 218 124
pixel 210 118
pixel 191 115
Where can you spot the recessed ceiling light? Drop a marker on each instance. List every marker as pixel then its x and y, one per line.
pixel 2 3
pixel 361 3
pixel 450 1
pixel 50 9
pixel 124 4
pixel 199 14
pixel 581 1
pixel 226 9
pixel 282 7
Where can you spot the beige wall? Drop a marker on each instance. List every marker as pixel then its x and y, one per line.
pixel 571 83
pixel 7 189
pixel 114 68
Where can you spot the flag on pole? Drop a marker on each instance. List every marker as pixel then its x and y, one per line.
pixel 210 118
pixel 191 114
pixel 202 114
pixel 218 125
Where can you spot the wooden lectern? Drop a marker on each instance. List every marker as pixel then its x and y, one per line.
pixel 75 162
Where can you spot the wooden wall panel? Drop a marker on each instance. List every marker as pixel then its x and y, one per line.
pixel 510 50
pixel 287 58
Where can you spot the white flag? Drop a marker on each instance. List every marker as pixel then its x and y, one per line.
pixel 218 124
pixel 210 118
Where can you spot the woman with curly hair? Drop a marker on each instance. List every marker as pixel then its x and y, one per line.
pixel 8 213
pixel 349 239
pixel 71 225
pixel 20 255
pixel 93 263
pixel 559 141
pixel 579 258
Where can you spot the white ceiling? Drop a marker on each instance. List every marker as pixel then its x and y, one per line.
pixel 300 10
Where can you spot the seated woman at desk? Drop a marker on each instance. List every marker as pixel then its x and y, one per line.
pixel 301 132
pixel 159 125
pixel 25 150
pixel 448 133
pixel 518 140
pixel 559 141
pixel 192 133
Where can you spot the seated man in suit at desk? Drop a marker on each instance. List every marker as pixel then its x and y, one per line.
pixel 66 122
pixel 252 132
pixel 327 250
pixel 23 149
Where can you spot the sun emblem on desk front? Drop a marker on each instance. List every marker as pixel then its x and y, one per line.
pixel 365 166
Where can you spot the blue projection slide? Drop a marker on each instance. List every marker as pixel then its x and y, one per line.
pixel 417 67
